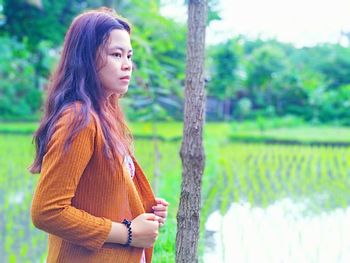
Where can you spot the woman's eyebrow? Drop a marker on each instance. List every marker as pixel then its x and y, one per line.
pixel 121 48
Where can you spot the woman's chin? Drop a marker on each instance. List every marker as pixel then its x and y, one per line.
pixel 123 92
pixel 118 93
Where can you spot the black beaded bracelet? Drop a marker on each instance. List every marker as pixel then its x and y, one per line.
pixel 127 223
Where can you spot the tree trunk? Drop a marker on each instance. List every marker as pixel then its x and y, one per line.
pixel 192 153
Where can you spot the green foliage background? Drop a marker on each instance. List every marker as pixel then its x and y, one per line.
pixel 255 77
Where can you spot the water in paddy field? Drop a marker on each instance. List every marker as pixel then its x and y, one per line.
pixel 280 233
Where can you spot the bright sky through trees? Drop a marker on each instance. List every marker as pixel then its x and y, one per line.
pixel 302 22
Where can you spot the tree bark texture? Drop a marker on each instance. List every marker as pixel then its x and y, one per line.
pixel 192 152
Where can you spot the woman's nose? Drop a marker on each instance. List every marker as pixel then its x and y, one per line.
pixel 126 66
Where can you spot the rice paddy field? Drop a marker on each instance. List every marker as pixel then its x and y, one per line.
pixel 255 176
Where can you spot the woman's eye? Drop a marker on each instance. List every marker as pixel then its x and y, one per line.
pixel 129 56
pixel 118 55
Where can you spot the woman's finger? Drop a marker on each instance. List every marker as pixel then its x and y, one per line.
pixel 162 214
pixel 161 201
pixel 159 208
pixel 161 221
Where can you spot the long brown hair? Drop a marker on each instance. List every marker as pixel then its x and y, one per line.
pixel 76 80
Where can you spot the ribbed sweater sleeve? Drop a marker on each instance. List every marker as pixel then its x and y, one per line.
pixel 61 170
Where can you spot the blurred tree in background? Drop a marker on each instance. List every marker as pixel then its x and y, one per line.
pixel 39 20
pixel 270 78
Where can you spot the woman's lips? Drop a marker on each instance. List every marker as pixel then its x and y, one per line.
pixel 125 79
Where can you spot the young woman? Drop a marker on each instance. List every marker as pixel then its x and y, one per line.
pixel 92 197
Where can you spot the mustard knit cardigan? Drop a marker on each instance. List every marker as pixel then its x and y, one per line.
pixel 78 196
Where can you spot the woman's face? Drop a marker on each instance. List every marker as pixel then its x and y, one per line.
pixel 114 64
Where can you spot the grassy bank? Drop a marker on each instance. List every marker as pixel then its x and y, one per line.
pixel 274 131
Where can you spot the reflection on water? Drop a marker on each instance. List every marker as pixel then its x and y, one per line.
pixel 16 198
pixel 278 233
